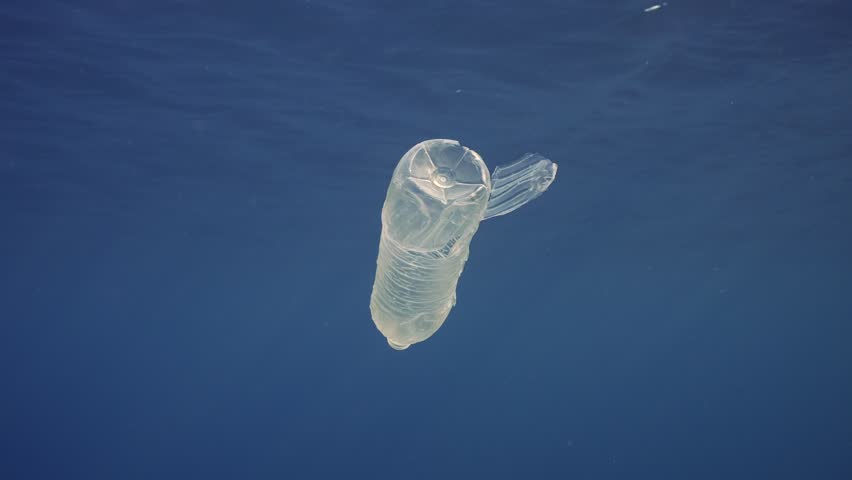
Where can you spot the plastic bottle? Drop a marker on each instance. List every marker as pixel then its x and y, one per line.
pixel 439 193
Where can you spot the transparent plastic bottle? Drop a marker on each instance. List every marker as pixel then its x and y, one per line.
pixel 439 193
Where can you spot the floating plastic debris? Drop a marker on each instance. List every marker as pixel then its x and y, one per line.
pixel 439 193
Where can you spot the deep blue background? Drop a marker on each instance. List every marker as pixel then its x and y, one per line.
pixel 189 202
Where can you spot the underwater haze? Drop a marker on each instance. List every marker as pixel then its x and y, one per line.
pixel 190 199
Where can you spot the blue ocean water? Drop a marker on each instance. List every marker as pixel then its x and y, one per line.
pixel 190 195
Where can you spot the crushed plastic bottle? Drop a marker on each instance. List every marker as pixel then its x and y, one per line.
pixel 439 193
